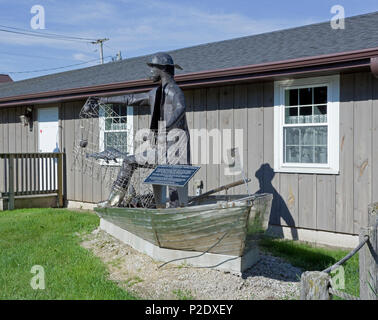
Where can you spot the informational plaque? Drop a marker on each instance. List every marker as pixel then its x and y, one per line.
pixel 171 175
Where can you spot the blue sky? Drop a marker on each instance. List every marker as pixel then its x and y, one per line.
pixel 139 27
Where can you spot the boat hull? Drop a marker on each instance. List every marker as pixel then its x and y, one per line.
pixel 222 228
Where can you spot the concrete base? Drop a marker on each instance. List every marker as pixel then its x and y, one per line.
pixel 31 201
pixel 322 238
pixel 232 264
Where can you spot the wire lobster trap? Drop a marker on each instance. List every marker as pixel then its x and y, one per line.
pixel 105 140
pixel 102 143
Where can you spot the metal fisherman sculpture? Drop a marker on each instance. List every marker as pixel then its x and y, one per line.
pixel 167 105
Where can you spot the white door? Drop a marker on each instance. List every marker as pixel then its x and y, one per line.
pixel 48 141
pixel 48 129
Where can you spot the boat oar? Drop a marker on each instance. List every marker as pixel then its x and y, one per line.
pixel 225 187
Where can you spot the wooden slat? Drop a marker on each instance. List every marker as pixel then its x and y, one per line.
pixel 325 203
pixel 199 123
pixel 79 191
pixel 290 200
pixel 69 136
pixel 375 142
pixel 190 120
pixel 2 166
pixel 226 125
pixel 271 180
pixel 307 200
pixel 255 136
pixel 6 130
pixel 212 122
pixel 241 123
pixel 344 181
pixel 362 148
pixel 97 179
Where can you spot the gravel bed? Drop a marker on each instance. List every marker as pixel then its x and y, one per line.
pixel 270 279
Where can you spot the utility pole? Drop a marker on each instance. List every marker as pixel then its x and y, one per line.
pixel 100 42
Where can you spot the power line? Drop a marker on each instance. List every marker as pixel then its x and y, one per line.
pixel 46 35
pixel 52 69
pixel 39 35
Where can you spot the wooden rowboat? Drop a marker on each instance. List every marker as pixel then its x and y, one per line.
pixel 220 226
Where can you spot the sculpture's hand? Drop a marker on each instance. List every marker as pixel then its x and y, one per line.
pixel 89 108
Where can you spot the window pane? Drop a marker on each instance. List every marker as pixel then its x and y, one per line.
pixel 307 155
pixel 108 124
pixel 115 108
pixel 305 96
pixel 292 155
pixel 123 110
pixel 292 136
pixel 291 97
pixel 321 136
pixel 321 155
pixel 320 95
pixel 307 136
pixel 291 115
pixel 305 144
pixel 320 114
pixel 117 140
pixel 305 115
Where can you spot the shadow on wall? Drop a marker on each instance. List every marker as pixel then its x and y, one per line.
pixel 265 175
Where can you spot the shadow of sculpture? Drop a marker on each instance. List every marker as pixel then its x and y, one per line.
pixel 265 175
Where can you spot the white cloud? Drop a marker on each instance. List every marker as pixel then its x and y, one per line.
pixel 82 57
pixel 137 27
pixel 134 25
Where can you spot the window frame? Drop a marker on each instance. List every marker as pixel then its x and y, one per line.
pixel 333 124
pixel 129 128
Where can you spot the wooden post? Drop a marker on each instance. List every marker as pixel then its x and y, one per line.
pixel 315 285
pixel 60 180
pixel 11 183
pixel 368 257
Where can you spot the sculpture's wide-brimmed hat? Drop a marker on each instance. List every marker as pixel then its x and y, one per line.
pixel 162 59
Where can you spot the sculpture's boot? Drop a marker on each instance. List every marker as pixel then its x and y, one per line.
pixel 115 199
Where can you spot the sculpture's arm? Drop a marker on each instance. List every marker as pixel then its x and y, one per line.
pixel 179 111
pixel 138 99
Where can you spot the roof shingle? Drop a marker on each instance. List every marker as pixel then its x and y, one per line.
pixel 361 32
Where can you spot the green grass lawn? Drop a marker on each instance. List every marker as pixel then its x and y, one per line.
pixel 311 258
pixel 49 238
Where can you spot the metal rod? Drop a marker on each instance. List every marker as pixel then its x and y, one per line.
pixel 225 187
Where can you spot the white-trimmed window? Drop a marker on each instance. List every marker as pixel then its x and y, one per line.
pixel 306 125
pixel 116 128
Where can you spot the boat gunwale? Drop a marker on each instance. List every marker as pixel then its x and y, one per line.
pixel 242 202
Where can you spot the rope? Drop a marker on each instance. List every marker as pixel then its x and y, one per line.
pixel 201 253
pixel 342 294
pixel 348 256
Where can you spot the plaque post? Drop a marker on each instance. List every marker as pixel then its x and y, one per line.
pixel 160 194
pixel 183 195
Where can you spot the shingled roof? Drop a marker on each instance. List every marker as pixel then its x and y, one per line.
pixel 361 32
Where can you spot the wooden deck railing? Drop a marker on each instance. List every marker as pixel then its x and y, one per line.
pixel 31 174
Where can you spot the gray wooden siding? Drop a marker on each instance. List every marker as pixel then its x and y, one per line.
pixel 323 202
pixel 15 137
